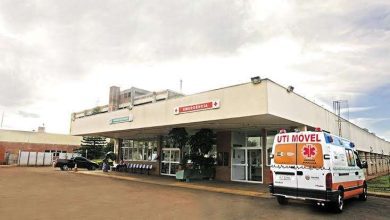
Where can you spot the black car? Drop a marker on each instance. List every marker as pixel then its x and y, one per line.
pixel 82 162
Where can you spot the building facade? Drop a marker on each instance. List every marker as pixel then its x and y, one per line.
pixel 12 142
pixel 245 119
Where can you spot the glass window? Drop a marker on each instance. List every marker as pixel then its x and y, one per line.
pixel 139 150
pixel 350 158
pixel 270 142
pixel 253 141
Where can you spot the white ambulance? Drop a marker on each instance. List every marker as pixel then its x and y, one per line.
pixel 316 166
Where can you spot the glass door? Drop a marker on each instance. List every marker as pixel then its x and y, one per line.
pixel 247 165
pixel 238 164
pixel 255 165
pixel 170 161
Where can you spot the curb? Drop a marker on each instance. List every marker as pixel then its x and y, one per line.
pixel 186 186
pixel 8 166
pixel 378 194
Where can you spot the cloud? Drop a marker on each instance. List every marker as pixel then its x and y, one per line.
pixel 68 51
pixel 368 122
pixel 357 109
pixel 28 114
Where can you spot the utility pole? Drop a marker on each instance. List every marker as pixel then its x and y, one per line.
pixel 181 86
pixel 337 109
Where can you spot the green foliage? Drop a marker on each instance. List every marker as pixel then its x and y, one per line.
pixel 178 137
pixel 380 184
pixel 201 144
pixel 109 147
pixel 94 145
pixel 202 141
pixel 96 110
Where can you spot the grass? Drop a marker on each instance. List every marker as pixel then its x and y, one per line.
pixel 379 184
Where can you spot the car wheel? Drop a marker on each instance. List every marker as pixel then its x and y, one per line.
pixel 339 204
pixel 282 200
pixel 363 196
pixel 64 167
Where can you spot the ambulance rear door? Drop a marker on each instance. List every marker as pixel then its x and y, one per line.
pixel 285 175
pixel 298 163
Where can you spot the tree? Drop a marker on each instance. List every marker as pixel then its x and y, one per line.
pixel 109 147
pixel 94 146
pixel 179 138
pixel 96 110
pixel 201 144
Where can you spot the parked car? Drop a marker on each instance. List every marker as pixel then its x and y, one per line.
pixel 82 162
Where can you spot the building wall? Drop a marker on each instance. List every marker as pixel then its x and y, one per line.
pixel 2 155
pixel 38 138
pixel 296 108
pixel 232 105
pixel 14 147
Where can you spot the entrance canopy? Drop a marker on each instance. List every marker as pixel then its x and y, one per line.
pixel 268 122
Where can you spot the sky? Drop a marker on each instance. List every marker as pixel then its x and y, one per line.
pixel 59 57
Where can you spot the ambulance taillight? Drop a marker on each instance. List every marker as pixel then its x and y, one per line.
pixel 318 129
pixel 329 181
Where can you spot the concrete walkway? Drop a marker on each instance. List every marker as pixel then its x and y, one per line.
pixel 235 188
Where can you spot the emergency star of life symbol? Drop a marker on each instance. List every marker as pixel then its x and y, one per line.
pixel 309 150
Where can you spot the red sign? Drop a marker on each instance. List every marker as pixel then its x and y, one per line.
pixel 298 138
pixel 197 107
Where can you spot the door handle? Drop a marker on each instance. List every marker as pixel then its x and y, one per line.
pixel 299 173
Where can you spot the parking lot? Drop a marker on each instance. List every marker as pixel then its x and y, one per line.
pixel 45 193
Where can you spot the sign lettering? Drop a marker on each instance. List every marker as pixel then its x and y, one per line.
pixel 197 107
pixel 296 138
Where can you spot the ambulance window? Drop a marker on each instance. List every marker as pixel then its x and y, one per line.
pixel 336 141
pixel 358 161
pixel 345 143
pixel 350 158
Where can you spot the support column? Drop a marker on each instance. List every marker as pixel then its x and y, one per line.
pixel 118 142
pixel 302 128
pixel 224 145
pixel 159 150
pixel 266 169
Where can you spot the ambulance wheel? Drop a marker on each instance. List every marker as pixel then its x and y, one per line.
pixel 282 200
pixel 363 196
pixel 339 204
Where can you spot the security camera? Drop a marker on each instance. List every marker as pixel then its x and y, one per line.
pixel 290 89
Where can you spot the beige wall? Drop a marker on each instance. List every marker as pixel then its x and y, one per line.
pixel 38 138
pixel 236 101
pixel 296 108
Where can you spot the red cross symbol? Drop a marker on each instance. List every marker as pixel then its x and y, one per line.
pixel 309 150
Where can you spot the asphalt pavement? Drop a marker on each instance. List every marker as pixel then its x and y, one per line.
pixel 45 193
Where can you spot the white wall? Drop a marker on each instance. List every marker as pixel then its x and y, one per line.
pixel 235 102
pixel 296 108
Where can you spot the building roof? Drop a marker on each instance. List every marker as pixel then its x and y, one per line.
pixel 38 137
